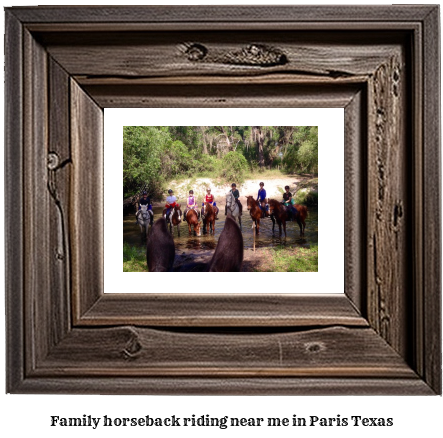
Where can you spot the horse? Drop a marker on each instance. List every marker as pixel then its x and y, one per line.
pixel 228 256
pixel 144 219
pixel 192 220
pixel 232 208
pixel 208 216
pixel 283 214
pixel 255 211
pixel 174 218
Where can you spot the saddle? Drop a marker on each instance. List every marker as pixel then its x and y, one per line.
pixel 188 210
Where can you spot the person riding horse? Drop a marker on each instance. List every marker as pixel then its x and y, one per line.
pixel 210 199
pixel 289 202
pixel 144 200
pixel 236 195
pixel 261 197
pixel 171 202
pixel 191 205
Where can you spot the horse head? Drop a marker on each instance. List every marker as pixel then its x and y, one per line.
pixel 144 212
pixel 177 211
pixel 273 205
pixel 197 228
pixel 160 250
pixel 229 198
pixel 249 202
pixel 192 219
pixel 228 256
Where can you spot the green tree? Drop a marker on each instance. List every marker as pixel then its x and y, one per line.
pixel 234 167
pixel 142 158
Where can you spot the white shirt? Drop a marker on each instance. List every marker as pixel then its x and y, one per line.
pixel 171 199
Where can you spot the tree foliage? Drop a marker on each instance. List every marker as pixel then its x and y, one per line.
pixel 153 155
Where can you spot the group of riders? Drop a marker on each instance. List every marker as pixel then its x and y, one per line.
pixel 171 202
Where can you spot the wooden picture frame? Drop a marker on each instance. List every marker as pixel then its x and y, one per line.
pixel 65 64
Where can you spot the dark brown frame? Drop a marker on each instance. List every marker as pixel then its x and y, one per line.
pixel 64 65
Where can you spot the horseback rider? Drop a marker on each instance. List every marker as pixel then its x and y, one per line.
pixel 210 199
pixel 171 202
pixel 261 198
pixel 144 200
pixel 289 202
pixel 191 205
pixel 236 195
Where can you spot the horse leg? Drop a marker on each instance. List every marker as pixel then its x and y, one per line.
pixel 178 230
pixel 239 221
pixel 300 226
pixel 273 223
pixel 284 227
pixel 258 226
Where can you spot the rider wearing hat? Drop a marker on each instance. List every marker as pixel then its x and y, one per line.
pixel 191 205
pixel 236 194
pixel 144 200
pixel 171 202
pixel 210 199
pixel 289 202
pixel 261 197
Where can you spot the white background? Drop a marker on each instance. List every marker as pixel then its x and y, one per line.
pixel 29 414
pixel 330 122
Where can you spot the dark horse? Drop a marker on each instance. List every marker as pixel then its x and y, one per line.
pixel 192 220
pixel 228 256
pixel 174 218
pixel 255 211
pixel 282 214
pixel 208 215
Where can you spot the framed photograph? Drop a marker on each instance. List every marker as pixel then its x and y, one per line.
pixel 378 333
pixel 157 158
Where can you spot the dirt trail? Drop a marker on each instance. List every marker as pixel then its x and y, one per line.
pixel 274 187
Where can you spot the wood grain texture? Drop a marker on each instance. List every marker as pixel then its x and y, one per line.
pixel 226 386
pixel 224 14
pixel 355 192
pixel 64 65
pixel 171 54
pixel 59 166
pixel 431 319
pixel 228 95
pixel 38 306
pixel 86 225
pixel 388 184
pixel 14 238
pixel 205 310
pixel 129 351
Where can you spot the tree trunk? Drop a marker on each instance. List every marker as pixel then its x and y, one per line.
pixel 260 139
pixel 205 147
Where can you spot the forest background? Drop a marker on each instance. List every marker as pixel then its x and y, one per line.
pixel 155 155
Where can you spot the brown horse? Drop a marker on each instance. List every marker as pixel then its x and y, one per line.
pixel 192 220
pixel 174 218
pixel 282 214
pixel 255 211
pixel 208 215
